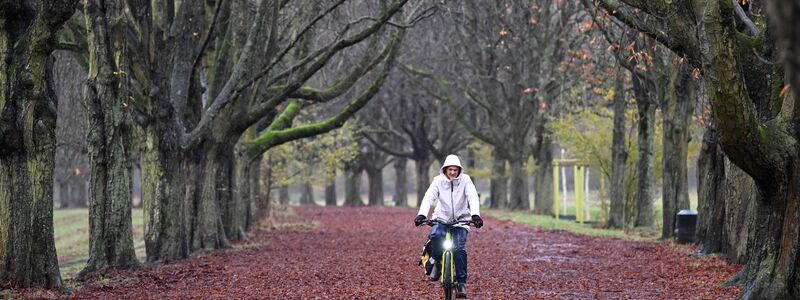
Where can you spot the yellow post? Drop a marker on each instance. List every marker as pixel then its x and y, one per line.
pixel 555 188
pixel 579 193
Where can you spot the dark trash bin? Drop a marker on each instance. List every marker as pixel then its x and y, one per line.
pixel 685 226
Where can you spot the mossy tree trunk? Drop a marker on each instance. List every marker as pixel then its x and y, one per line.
pixel 258 196
pixel 646 113
pixel 208 229
pixel 27 135
pixel 619 156
pixel 166 222
pixel 757 125
pixel 726 203
pixel 237 217
pixel 676 111
pixel 109 138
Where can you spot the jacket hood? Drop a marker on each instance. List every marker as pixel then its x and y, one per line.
pixel 451 160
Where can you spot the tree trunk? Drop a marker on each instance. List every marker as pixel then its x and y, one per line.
pixel 209 231
pixel 375 177
pixel 307 194
pixel 423 178
pixel 726 203
pixel 499 181
pixel 242 198
pixel 166 230
pixel 619 157
pixel 758 131
pixel 773 267
pixel 330 192
pixel 109 135
pixel 543 186
pixel 258 202
pixel 644 167
pixel 283 195
pixel 401 182
pixel 27 134
pixel 676 111
pixel 518 199
pixel 352 190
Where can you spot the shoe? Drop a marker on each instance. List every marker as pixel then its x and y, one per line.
pixel 435 273
pixel 429 267
pixel 461 290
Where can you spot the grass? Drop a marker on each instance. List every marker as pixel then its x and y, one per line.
pixel 550 223
pixel 71 228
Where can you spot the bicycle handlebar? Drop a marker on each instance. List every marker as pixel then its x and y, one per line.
pixel 448 224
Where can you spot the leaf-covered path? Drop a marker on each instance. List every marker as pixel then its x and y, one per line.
pixel 372 253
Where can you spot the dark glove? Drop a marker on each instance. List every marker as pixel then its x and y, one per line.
pixel 476 219
pixel 419 220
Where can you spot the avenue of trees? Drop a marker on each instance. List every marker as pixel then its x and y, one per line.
pixel 223 104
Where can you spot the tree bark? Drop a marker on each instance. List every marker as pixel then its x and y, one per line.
pixel 209 230
pixel 619 157
pixel 239 215
pixel 283 195
pixel 676 111
pixel 726 203
pixel 423 178
pixel 109 136
pixel 307 194
pixel 166 222
pixel 499 182
pixel 518 189
pixel 330 192
pixel 352 190
pixel 258 202
pixel 644 166
pixel 543 186
pixel 755 121
pixel 27 135
pixel 401 182
pixel 757 128
pixel 375 176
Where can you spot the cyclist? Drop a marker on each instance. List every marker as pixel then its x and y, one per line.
pixel 458 201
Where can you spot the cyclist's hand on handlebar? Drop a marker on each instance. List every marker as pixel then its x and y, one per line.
pixel 419 220
pixel 476 219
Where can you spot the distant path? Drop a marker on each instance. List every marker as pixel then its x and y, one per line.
pixel 371 253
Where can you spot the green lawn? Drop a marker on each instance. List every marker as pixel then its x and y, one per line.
pixel 71 228
pixel 550 223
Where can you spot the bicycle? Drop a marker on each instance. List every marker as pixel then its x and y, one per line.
pixel 448 268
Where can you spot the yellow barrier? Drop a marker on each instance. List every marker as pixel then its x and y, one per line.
pixel 578 180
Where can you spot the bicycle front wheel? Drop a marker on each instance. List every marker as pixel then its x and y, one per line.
pixel 447 275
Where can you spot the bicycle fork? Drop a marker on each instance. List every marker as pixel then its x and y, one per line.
pixel 448 265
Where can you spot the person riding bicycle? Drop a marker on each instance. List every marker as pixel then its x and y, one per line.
pixel 458 201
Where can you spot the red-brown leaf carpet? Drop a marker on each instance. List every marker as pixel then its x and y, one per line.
pixel 372 253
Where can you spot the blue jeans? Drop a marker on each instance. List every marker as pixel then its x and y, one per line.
pixel 459 236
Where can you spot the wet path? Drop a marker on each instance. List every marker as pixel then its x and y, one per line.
pixel 371 253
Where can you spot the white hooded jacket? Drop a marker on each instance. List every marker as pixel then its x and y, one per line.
pixel 458 198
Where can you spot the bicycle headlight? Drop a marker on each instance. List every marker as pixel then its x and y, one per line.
pixel 448 245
